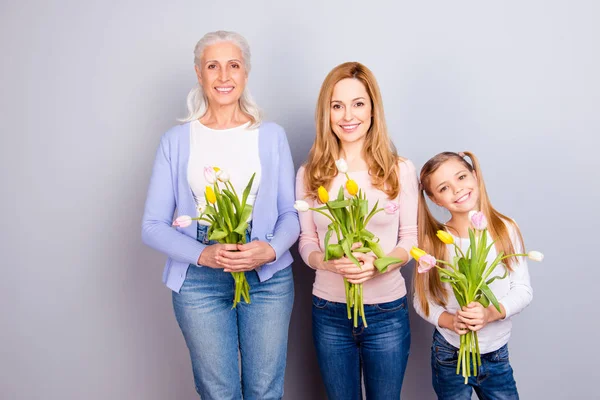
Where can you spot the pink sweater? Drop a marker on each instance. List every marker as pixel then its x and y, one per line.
pixel 394 230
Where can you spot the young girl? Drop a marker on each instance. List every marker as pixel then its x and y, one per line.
pixel 452 182
pixel 351 125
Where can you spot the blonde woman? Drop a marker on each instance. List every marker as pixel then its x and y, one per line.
pixel 351 125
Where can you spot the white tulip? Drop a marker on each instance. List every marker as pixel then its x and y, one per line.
pixel 301 205
pixel 535 256
pixel 341 165
pixel 223 176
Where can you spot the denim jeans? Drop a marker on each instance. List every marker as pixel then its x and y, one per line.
pixel 214 332
pixel 380 350
pixel 494 380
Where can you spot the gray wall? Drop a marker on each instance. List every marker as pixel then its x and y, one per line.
pixel 88 87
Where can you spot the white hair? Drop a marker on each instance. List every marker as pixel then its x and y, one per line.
pixel 197 101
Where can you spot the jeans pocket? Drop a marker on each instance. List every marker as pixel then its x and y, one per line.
pixel 501 355
pixel 392 305
pixel 319 302
pixel 444 355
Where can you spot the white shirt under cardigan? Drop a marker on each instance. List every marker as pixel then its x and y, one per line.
pixel 234 150
pixel 514 292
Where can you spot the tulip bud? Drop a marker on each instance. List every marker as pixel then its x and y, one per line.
pixel 445 237
pixel 210 195
pixel 323 194
pixel 223 176
pixel 535 255
pixel 183 221
pixel 391 207
pixel 352 187
pixel 426 262
pixel 210 175
pixel 341 165
pixel 417 253
pixel 301 205
pixel 478 220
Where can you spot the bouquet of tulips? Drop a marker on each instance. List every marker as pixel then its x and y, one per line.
pixel 227 217
pixel 469 276
pixel 349 215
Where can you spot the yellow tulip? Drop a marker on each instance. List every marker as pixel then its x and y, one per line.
pixel 417 253
pixel 216 169
pixel 210 195
pixel 445 237
pixel 352 187
pixel 323 194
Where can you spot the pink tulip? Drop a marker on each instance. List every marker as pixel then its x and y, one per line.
pixel 478 220
pixel 183 221
pixel 210 175
pixel 391 207
pixel 426 262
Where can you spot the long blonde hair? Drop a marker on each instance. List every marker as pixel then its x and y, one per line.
pixel 429 284
pixel 378 151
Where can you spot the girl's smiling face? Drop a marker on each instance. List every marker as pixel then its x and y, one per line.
pixel 454 187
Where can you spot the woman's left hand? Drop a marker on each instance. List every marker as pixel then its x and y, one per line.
pixel 474 315
pixel 248 257
pixel 360 275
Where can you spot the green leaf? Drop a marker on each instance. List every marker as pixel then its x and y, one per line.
pixel 366 234
pixel 326 242
pixel 241 228
pixel 375 248
pixel 217 234
pixel 334 251
pixel 234 200
pixel 362 250
pixel 373 212
pixel 489 281
pixel 346 246
pixel 363 208
pixel 490 296
pixel 382 263
pixel 243 218
pixel 335 204
pixel 247 189
pixel 340 195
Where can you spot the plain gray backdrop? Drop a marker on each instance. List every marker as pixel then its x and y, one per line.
pixel 88 87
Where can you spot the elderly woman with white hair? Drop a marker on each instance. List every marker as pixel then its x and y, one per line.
pixel 224 129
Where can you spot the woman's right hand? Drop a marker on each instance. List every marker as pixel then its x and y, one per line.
pixel 336 266
pixel 209 255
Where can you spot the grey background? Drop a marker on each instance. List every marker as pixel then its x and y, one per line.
pixel 88 87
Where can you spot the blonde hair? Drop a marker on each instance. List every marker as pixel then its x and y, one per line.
pixel 197 102
pixel 429 285
pixel 378 151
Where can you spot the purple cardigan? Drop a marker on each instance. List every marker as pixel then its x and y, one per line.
pixel 274 218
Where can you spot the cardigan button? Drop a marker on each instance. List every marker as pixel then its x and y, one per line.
pixel 269 236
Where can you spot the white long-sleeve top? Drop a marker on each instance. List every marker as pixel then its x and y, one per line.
pixel 514 292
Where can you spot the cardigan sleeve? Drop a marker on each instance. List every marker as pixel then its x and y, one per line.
pixel 157 231
pixel 287 227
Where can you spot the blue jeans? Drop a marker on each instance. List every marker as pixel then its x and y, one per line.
pixel 380 350
pixel 214 332
pixel 494 380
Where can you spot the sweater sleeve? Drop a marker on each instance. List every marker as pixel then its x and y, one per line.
pixel 435 310
pixel 287 227
pixel 157 231
pixel 409 190
pixel 309 238
pixel 521 293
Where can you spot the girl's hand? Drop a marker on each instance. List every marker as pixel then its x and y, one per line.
pixel 475 316
pixel 360 275
pixel 451 322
